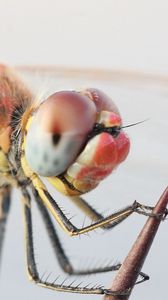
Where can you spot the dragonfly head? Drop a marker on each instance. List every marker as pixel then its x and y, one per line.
pixel 78 134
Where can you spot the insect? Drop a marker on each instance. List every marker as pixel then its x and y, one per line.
pixel 73 140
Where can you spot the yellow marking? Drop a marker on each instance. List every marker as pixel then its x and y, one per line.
pixel 26 119
pixel 29 121
pixel 62 187
pixel 5 139
pixel 4 166
pixel 40 187
pixel 25 203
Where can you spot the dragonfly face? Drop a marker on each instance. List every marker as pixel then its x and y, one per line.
pixel 57 143
pixel 74 140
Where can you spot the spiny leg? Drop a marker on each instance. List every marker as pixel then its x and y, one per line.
pixel 86 208
pixel 4 211
pixel 67 225
pixel 89 210
pixel 31 264
pixel 63 259
pixel 60 253
pixel 95 216
pixel 54 239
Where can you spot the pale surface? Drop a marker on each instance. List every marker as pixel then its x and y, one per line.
pixel 143 177
pixel 124 34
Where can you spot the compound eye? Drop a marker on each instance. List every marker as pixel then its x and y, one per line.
pixel 50 154
pixel 57 132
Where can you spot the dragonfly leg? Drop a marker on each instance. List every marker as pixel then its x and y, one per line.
pixel 114 219
pixel 95 216
pixel 86 208
pixel 4 211
pixel 63 259
pixel 89 211
pixel 31 264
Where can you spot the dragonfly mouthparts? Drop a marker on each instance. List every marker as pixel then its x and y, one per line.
pixel 100 128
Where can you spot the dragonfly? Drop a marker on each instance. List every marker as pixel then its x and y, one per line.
pixel 73 140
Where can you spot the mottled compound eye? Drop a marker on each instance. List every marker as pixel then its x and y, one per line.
pixel 57 132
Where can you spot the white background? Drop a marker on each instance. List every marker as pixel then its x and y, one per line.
pixel 94 33
pixel 113 35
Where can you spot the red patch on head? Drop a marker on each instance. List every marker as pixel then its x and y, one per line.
pixel 93 173
pixel 106 152
pixel 123 146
